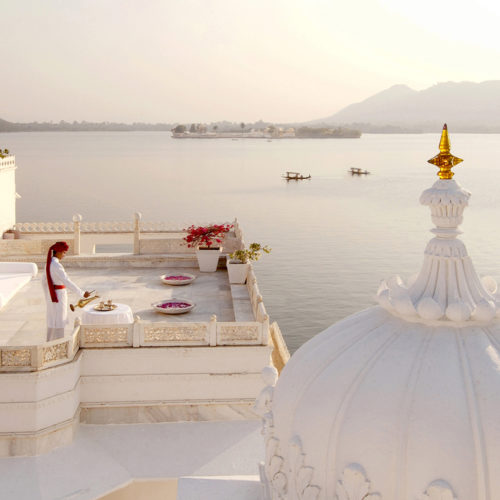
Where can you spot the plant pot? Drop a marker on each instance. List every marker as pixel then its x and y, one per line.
pixel 208 259
pixel 237 271
pixel 9 235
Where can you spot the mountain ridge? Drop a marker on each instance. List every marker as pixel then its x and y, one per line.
pixel 465 106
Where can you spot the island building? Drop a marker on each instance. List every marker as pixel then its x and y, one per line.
pixel 252 134
pixel 397 402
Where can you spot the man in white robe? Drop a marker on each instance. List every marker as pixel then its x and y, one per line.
pixel 54 282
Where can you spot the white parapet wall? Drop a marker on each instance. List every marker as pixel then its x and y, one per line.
pixel 7 192
pixel 41 410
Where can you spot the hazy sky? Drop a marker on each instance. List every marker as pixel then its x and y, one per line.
pixel 209 60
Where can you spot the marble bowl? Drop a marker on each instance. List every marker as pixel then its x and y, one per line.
pixel 177 279
pixel 173 306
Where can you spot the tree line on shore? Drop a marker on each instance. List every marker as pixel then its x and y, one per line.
pixel 221 126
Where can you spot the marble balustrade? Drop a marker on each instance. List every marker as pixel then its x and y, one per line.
pixel 29 358
pixel 138 334
pixel 85 235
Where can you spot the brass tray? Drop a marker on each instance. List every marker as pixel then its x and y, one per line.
pixel 105 307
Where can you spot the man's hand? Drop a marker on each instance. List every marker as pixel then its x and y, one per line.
pixel 86 294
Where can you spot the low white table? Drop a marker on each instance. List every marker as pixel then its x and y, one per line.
pixel 122 314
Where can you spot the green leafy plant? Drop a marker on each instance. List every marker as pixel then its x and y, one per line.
pixel 250 254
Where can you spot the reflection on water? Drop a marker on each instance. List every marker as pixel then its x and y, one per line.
pixel 334 237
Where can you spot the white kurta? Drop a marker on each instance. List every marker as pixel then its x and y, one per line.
pixel 57 312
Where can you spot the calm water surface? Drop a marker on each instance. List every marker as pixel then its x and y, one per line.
pixel 334 237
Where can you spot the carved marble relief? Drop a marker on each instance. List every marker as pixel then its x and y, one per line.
pixel 101 335
pixel 174 333
pixel 18 357
pixel 55 352
pixel 354 485
pixel 439 490
pixel 232 333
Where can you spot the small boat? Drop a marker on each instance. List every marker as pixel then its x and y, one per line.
pixel 357 171
pixel 295 176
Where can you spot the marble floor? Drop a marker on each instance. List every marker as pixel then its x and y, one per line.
pixel 22 320
pixel 105 457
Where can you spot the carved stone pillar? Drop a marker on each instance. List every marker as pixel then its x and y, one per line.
pixel 137 233
pixel 77 219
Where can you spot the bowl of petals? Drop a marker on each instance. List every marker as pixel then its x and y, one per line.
pixel 177 279
pixel 174 306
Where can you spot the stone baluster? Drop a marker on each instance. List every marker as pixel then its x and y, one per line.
pixel 137 233
pixel 136 332
pixel 213 330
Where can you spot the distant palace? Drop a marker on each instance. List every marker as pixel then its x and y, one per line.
pixel 271 132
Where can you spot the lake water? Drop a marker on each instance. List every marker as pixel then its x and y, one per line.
pixel 334 237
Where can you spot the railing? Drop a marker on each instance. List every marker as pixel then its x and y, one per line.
pixel 44 227
pixel 39 357
pixel 137 334
pixel 258 308
pixel 111 226
pixel 167 334
pixel 87 234
pixel 8 161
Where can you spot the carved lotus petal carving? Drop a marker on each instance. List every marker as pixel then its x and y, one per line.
pixel 304 477
pixel 274 473
pixel 439 490
pixel 311 493
pixel 279 483
pixel 354 485
pixel 301 474
pixel 271 446
pixel 275 465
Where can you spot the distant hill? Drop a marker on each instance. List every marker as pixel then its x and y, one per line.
pixel 6 126
pixel 465 106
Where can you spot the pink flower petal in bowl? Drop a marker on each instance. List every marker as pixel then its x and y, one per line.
pixel 176 279
pixel 174 306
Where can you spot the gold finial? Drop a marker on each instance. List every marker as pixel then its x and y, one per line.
pixel 445 160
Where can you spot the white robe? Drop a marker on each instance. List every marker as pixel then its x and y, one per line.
pixel 57 312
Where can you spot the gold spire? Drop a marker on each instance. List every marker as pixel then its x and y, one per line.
pixel 445 160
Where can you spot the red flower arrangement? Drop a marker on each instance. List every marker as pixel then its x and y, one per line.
pixel 206 235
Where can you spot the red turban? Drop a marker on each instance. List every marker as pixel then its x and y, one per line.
pixel 60 246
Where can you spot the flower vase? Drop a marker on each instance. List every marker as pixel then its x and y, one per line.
pixel 208 259
pixel 237 271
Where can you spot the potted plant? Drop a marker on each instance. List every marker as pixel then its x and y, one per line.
pixel 238 262
pixel 10 234
pixel 206 240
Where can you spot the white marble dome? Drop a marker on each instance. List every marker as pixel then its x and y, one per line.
pixel 400 401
